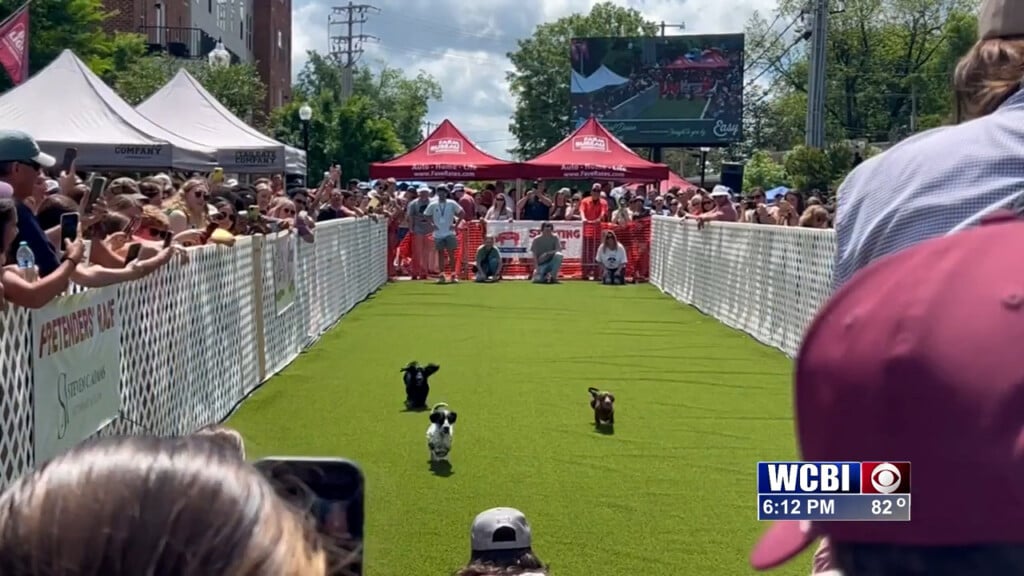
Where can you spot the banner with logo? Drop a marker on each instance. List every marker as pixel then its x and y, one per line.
pixel 76 369
pixel 285 255
pixel 512 239
pixel 14 45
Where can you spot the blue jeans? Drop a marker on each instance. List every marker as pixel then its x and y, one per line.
pixel 551 267
pixel 486 269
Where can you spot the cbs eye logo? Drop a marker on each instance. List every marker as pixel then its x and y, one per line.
pixel 885 477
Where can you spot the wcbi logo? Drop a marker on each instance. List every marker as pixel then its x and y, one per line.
pixel 444 146
pixel 590 144
pixel 833 477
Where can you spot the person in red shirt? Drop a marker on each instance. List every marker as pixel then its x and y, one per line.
pixel 594 210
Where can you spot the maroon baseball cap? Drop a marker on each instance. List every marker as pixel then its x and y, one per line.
pixel 920 357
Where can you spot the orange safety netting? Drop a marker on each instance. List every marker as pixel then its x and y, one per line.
pixel 635 237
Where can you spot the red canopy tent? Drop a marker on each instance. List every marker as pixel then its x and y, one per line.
pixel 446 154
pixel 673 180
pixel 591 152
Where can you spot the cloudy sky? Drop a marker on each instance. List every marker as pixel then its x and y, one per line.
pixel 463 45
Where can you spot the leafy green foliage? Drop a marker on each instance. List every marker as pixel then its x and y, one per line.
pixel 889 68
pixel 57 25
pixel 238 87
pixel 762 170
pixel 361 129
pixel 808 168
pixel 540 79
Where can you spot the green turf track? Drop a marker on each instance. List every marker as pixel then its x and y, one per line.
pixel 671 493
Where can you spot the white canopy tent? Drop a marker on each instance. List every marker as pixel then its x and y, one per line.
pixel 66 105
pixel 601 78
pixel 187 109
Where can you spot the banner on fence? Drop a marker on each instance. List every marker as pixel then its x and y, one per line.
pixel 76 369
pixel 513 238
pixel 285 248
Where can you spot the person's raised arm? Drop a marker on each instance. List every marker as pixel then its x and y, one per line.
pixel 522 204
pixel 99 277
pixel 40 292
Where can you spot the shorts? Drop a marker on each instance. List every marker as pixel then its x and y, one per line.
pixel 446 243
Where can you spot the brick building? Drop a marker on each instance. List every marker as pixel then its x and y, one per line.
pixel 191 28
pixel 272 49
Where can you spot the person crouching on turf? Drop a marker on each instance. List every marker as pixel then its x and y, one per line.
pixel 612 258
pixel 488 261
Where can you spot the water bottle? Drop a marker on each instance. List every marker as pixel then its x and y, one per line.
pixel 26 259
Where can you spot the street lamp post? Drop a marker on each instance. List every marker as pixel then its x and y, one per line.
pixel 219 57
pixel 305 114
pixel 703 163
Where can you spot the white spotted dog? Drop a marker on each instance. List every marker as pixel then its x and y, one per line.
pixel 440 432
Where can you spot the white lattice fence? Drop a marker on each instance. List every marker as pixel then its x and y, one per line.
pixel 197 337
pixel 767 281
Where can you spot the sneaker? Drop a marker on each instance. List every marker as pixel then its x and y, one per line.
pixel 455 279
pixel 441 279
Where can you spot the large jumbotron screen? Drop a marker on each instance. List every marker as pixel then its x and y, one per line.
pixel 668 90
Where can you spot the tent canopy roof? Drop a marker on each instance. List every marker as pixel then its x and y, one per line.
pixel 186 108
pixel 66 104
pixel 591 152
pixel 601 78
pixel 446 154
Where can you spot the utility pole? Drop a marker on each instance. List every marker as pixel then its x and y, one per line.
pixel 346 43
pixel 680 26
pixel 913 108
pixel 429 127
pixel 814 136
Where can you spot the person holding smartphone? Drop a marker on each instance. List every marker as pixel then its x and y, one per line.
pixel 27 288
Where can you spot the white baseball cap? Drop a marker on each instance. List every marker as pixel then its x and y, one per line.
pixel 500 529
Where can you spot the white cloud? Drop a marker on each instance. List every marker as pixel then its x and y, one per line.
pixel 463 45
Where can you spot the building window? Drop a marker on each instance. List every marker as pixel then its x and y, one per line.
pixel 280 40
pixel 209 6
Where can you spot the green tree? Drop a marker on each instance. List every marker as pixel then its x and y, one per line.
pixel 352 133
pixel 404 101
pixel 762 170
pixel 540 78
pixel 888 69
pixel 57 25
pixel 238 87
pixel 808 168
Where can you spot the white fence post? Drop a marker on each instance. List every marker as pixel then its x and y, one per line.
pixel 197 337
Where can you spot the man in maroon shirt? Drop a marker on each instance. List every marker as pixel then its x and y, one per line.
pixel 465 201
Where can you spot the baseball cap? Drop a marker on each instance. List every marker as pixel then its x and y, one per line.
pixel 17 146
pixel 423 189
pixel 52 186
pixel 721 191
pixel 917 358
pixel 1000 19
pixel 500 529
pixel 457 187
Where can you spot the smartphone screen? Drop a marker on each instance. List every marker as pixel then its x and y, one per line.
pixel 133 253
pixel 330 492
pixel 70 154
pixel 218 175
pixel 96 187
pixel 68 228
pixel 254 213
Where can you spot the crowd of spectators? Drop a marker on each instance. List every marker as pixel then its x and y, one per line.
pixel 129 227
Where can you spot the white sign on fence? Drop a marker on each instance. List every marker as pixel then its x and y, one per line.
pixel 76 369
pixel 513 238
pixel 285 255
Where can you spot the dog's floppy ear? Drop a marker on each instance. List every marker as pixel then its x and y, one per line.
pixel 451 417
pixel 436 417
pixel 409 366
pixel 593 392
pixel 611 397
pixel 430 369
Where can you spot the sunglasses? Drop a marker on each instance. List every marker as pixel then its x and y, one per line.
pixel 221 216
pixel 31 164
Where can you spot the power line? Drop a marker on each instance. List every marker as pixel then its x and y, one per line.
pixel 769 46
pixel 345 44
pixel 778 15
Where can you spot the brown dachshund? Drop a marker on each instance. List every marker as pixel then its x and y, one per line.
pixel 603 403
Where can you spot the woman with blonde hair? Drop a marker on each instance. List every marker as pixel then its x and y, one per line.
pixel 611 256
pixel 187 210
pixel 499 211
pixel 124 506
